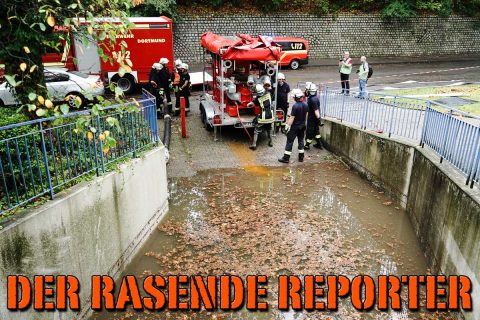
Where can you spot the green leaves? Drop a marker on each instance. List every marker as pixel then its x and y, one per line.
pixel 118 91
pixel 11 80
pixel 32 96
pixel 64 108
pixel 41 112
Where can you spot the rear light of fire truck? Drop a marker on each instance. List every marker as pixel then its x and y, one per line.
pixel 280 115
pixel 217 119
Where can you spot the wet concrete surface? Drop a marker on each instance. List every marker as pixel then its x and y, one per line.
pixel 312 219
pixel 199 151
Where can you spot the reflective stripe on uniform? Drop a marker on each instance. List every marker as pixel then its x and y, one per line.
pixel 288 152
pixel 301 151
pixel 309 140
pixel 317 137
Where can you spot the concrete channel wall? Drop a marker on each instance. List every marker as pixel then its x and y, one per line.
pixel 328 36
pixel 94 228
pixel 445 213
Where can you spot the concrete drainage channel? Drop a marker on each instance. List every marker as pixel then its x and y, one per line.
pixel 444 212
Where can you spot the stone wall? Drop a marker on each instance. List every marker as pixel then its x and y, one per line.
pixel 444 213
pixel 94 228
pixel 328 36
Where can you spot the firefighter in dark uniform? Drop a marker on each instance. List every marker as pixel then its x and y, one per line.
pixel 295 127
pixel 165 82
pixel 154 85
pixel 313 120
pixel 264 120
pixel 183 88
pixel 283 89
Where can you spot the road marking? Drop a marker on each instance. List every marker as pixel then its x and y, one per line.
pixel 414 73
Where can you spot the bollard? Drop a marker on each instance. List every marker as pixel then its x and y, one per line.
pixel 183 117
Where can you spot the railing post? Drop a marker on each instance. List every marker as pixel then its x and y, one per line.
pixel 446 136
pixel 102 160
pixel 153 114
pixel 394 106
pixel 476 157
pixel 425 124
pixel 132 133
pixel 45 160
pixel 363 125
pixel 343 107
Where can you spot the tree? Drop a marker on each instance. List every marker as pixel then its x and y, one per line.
pixel 28 28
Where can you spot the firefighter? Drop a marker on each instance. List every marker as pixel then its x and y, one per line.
pixel 295 127
pixel 165 82
pixel 267 84
pixel 283 89
pixel 183 88
pixel 264 120
pixel 313 120
pixel 154 85
pixel 175 80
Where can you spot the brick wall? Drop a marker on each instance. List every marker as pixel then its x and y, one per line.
pixel 360 34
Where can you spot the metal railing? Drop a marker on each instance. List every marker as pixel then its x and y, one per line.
pixel 382 113
pixel 454 135
pixel 43 155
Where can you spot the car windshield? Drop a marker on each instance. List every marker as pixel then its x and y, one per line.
pixel 79 74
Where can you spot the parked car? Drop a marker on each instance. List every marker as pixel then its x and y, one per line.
pixel 295 51
pixel 62 85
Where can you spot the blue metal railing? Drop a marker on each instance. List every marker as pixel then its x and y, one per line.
pixel 53 152
pixel 454 135
pixel 382 113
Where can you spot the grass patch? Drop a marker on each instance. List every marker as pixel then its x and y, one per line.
pixel 471 92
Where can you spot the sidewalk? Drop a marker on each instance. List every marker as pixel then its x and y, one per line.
pixel 318 62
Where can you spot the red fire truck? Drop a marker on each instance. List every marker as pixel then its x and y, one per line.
pixel 149 40
pixel 236 65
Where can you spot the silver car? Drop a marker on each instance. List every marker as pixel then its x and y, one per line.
pixel 62 85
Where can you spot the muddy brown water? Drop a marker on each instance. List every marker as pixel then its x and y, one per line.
pixel 310 219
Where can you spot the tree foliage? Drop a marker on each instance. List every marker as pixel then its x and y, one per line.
pixel 29 28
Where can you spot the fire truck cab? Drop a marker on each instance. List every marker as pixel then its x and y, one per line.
pixel 237 65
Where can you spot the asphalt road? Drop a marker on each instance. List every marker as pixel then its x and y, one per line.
pixel 392 72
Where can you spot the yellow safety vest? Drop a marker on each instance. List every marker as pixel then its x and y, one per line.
pixel 266 116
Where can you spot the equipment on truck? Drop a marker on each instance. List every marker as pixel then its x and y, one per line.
pixel 239 67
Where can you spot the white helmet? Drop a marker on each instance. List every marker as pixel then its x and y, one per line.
pixel 267 82
pixel 178 62
pixel 157 66
pixel 311 88
pixel 297 94
pixel 163 60
pixel 281 76
pixel 185 66
pixel 259 89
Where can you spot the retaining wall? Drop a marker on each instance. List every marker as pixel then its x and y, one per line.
pixel 444 212
pixel 94 228
pixel 328 36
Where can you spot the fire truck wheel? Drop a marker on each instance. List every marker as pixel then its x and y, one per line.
pixel 75 100
pixel 294 64
pixel 206 125
pixel 126 83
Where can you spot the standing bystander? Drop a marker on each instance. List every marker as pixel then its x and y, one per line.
pixel 363 77
pixel 345 65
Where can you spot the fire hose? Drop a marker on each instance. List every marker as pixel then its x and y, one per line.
pixel 241 122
